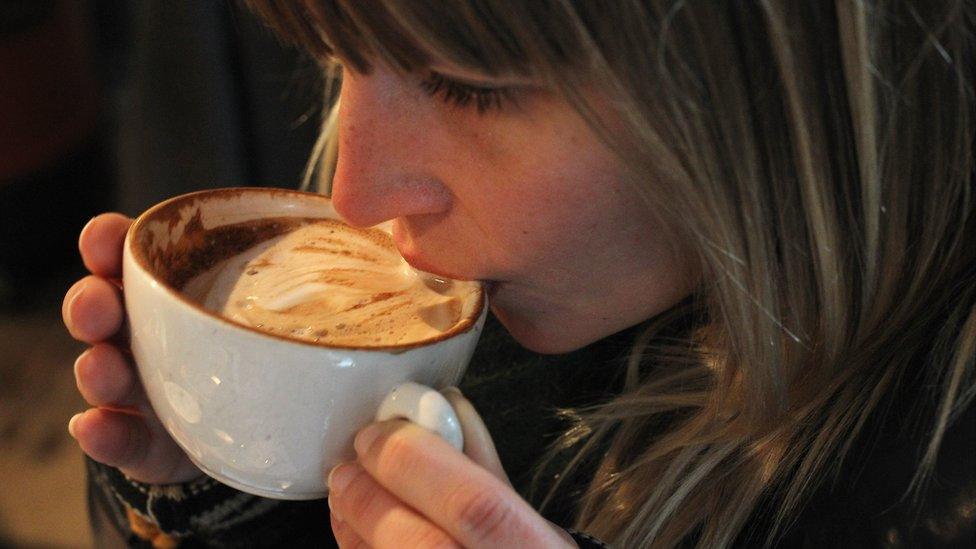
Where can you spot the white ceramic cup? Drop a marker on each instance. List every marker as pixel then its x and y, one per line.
pixel 263 413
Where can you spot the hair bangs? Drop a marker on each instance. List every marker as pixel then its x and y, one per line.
pixel 489 36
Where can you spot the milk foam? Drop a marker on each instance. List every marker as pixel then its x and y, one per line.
pixel 329 283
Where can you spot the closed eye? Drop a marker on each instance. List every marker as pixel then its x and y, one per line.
pixel 485 99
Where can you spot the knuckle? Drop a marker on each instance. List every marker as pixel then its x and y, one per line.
pixel 342 534
pixel 397 455
pixel 355 542
pixel 433 538
pixel 482 514
pixel 343 539
pixel 135 447
pixel 356 497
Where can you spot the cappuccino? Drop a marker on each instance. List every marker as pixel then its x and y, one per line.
pixel 322 281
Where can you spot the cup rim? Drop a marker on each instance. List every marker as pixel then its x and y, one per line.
pixel 140 261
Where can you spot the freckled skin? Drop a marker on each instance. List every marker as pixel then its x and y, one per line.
pixel 526 195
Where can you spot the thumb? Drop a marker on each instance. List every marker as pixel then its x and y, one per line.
pixel 477 440
pixel 480 448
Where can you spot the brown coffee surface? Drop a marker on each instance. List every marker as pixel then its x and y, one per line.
pixel 326 282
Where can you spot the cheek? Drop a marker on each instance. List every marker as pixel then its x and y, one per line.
pixel 533 194
pixel 566 204
pixel 545 186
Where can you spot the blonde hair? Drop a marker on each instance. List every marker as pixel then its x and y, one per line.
pixel 818 156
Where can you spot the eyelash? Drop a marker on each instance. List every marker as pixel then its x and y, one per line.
pixel 463 95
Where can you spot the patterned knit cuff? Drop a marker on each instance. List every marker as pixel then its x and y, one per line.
pixel 201 507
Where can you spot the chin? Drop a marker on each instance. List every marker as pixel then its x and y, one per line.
pixel 544 338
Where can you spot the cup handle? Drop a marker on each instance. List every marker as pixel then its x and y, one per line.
pixel 424 406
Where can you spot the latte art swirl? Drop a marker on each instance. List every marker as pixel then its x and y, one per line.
pixel 329 283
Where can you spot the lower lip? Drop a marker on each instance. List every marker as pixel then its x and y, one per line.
pixel 490 286
pixel 415 261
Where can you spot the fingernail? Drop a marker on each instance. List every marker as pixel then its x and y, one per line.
pixel 453 391
pixel 74 298
pixel 365 438
pixel 336 520
pixel 85 229
pixel 340 476
pixel 330 499
pixel 71 424
pixel 84 354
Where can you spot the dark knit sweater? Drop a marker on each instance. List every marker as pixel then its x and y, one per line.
pixel 517 393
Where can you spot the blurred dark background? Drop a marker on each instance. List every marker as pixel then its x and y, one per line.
pixel 113 105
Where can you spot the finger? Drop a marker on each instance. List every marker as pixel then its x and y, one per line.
pixel 113 438
pixel 100 243
pixel 468 502
pixel 105 378
pixel 478 444
pixel 377 517
pixel 92 310
pixel 140 449
pixel 344 535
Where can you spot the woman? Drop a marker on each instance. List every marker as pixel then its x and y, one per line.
pixel 776 199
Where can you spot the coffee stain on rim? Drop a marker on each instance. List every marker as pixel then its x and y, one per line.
pixel 169 212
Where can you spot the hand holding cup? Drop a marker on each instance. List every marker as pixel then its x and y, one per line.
pixel 120 429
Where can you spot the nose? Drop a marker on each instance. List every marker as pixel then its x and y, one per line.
pixel 384 168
